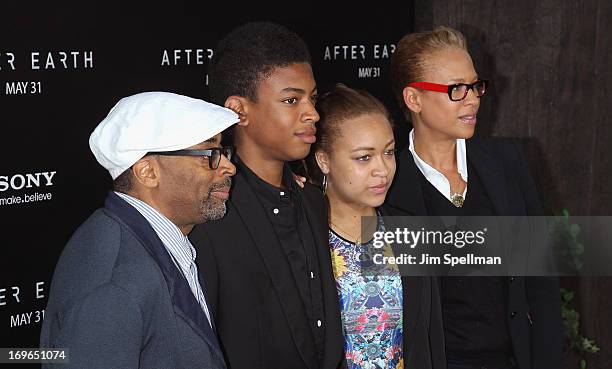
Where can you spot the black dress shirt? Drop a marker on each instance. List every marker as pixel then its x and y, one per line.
pixel 285 210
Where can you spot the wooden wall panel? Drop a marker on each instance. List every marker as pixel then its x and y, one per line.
pixel 551 71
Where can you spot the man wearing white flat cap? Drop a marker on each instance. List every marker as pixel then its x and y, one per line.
pixel 126 292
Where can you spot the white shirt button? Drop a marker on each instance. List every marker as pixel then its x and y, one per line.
pixel 319 323
pixel 311 275
pixel 275 211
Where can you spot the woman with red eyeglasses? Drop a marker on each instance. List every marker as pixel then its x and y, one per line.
pixel 489 322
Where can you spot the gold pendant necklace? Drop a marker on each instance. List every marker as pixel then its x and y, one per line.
pixel 457 199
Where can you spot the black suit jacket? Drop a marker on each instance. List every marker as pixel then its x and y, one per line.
pixel 261 319
pixel 534 313
pixel 423 343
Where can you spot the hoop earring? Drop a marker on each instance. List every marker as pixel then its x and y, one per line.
pixel 324 184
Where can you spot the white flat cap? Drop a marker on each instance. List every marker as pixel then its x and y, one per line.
pixel 154 121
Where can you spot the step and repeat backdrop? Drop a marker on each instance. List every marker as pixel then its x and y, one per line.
pixel 63 67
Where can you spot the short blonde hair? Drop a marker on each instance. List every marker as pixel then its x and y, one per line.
pixel 409 61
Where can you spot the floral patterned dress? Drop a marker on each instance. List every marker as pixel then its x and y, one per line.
pixel 371 302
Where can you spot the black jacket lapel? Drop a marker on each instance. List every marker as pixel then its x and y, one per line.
pixel 318 221
pixel 406 193
pixel 210 309
pixel 412 286
pixel 491 172
pixel 183 300
pixel 245 203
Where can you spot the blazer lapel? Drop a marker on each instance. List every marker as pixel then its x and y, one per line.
pixel 413 294
pixel 320 229
pixel 412 286
pixel 245 203
pixel 491 173
pixel 210 309
pixel 406 193
pixel 318 225
pixel 184 302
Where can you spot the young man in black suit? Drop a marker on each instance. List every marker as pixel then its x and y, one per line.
pixel 267 263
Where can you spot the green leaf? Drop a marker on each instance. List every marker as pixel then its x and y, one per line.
pixel 589 345
pixel 574 230
pixel 583 364
pixel 578 264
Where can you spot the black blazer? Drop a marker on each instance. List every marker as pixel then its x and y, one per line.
pixel 423 343
pixel 261 320
pixel 534 313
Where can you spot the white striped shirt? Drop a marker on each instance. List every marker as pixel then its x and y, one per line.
pixel 181 250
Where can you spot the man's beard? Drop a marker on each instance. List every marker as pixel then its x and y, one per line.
pixel 213 208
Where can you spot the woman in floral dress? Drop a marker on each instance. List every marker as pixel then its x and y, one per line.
pixel 354 162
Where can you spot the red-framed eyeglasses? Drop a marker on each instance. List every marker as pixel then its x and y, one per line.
pixel 457 91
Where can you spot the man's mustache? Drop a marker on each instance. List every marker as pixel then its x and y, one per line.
pixel 226 184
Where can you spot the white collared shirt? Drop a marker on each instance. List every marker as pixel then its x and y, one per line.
pixel 178 245
pixel 437 179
